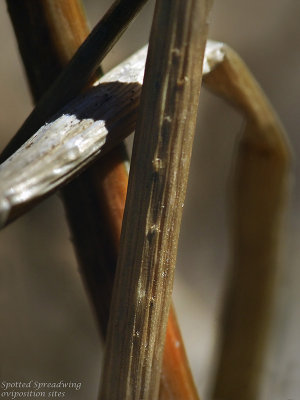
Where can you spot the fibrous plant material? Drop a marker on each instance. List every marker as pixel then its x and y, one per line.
pixel 176 380
pixel 98 104
pixel 157 184
pixel 64 146
pixel 260 189
pixel 76 76
pixel 257 217
pixel 48 33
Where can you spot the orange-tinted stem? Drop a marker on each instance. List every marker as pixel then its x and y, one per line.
pixel 176 377
pixel 48 33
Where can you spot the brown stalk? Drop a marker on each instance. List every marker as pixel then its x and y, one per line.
pixel 261 178
pixel 94 202
pixel 110 179
pixel 157 184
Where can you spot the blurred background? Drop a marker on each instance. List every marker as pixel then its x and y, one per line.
pixel 48 328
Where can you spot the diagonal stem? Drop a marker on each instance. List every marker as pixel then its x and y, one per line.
pixel 78 73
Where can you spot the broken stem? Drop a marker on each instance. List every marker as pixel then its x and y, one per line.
pixel 76 76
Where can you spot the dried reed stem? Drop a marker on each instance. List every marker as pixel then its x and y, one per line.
pixel 76 76
pixel 86 128
pixel 157 185
pixel 99 194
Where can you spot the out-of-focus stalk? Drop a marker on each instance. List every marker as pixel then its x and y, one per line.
pixel 261 182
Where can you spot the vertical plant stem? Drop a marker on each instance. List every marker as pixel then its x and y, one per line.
pixel 110 178
pixel 261 178
pixel 157 185
pixel 49 32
